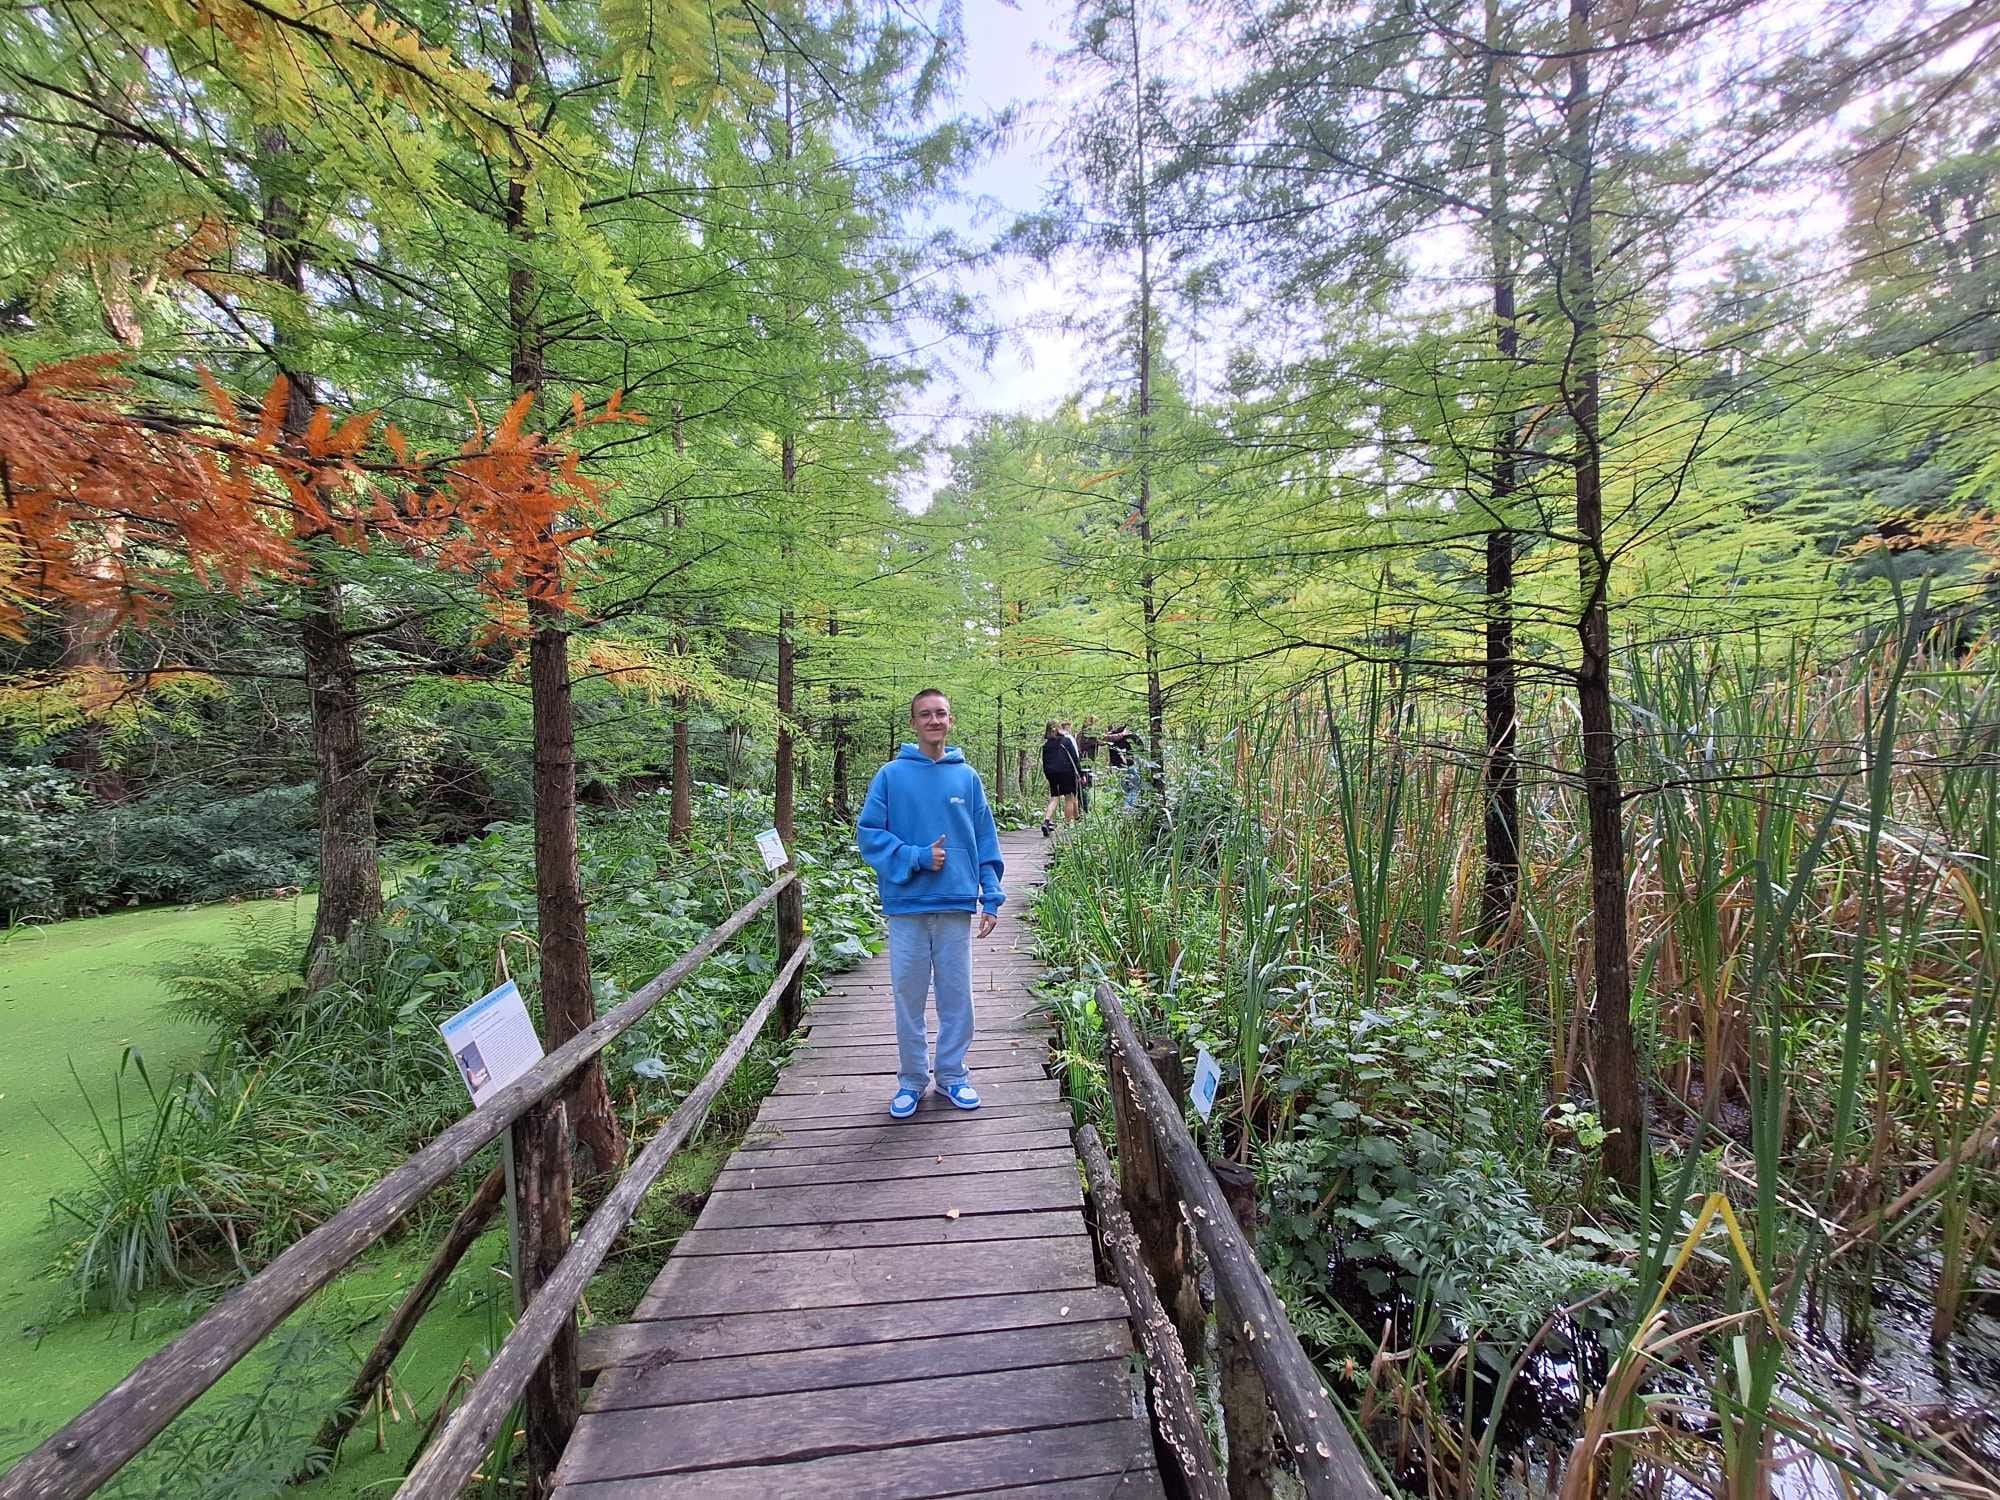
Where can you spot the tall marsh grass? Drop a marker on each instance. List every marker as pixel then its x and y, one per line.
pixel 1814 899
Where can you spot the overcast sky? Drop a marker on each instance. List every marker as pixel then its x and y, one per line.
pixel 1009 48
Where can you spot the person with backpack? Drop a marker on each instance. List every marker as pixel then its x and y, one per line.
pixel 1062 770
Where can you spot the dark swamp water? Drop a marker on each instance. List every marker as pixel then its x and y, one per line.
pixel 1868 1342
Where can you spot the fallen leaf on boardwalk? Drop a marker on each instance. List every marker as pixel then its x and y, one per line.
pixel 951 1213
pixel 1063 1313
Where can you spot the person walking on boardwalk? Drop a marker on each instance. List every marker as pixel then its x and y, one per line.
pixel 1061 769
pixel 928 833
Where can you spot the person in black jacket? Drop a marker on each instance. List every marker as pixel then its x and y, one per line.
pixel 1062 770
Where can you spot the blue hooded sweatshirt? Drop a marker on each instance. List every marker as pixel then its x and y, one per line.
pixel 910 802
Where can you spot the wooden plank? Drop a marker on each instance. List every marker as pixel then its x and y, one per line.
pixel 865 1057
pixel 881 1042
pixel 1117 1454
pixel 999 1010
pixel 700 1284
pixel 681 1382
pixel 1010 994
pixel 881 1080
pixel 958 1143
pixel 890 1232
pixel 1095 1487
pixel 932 1112
pixel 882 1032
pixel 1183 1440
pixel 765 1430
pixel 932 1132
pixel 1006 1192
pixel 758 1176
pixel 719 1337
pixel 880 1020
pixel 1012 1041
pixel 853 1096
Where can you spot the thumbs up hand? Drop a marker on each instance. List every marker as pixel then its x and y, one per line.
pixel 937 853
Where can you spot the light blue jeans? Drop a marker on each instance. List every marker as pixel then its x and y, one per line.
pixel 932 946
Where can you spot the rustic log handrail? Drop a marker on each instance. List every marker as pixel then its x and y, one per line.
pixel 1328 1459
pixel 449 1462
pixel 1176 1416
pixel 108 1434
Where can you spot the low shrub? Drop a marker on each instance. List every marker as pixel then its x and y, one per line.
pixel 67 857
pixel 39 809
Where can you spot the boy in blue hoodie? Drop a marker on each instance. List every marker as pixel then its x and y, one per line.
pixel 928 832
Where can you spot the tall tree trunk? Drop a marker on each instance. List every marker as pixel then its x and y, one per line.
pixel 90 649
pixel 836 697
pixel 1503 813
pixel 680 814
pixel 999 748
pixel 788 459
pixel 1614 1054
pixel 567 1003
pixel 788 474
pixel 350 870
pixel 1149 604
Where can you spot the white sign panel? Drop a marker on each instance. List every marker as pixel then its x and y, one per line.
pixel 1207 1079
pixel 493 1042
pixel 772 847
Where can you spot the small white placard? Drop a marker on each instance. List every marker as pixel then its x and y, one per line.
pixel 493 1042
pixel 772 848
pixel 1207 1079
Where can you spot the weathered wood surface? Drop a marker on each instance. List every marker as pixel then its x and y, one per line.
pixel 1176 1414
pixel 879 1307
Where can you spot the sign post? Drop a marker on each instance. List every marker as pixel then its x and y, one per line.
pixel 493 1041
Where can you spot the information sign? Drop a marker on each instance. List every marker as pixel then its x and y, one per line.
pixel 772 847
pixel 1207 1079
pixel 493 1042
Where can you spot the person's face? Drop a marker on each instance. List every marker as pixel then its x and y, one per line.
pixel 931 718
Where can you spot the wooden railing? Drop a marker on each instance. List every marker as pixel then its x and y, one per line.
pixel 1164 1190
pixel 537 1362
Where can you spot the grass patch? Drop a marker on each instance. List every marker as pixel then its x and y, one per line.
pixel 76 995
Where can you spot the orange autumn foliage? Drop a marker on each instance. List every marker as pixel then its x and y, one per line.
pixel 93 493
pixel 89 491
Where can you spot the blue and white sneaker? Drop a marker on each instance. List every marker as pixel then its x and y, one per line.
pixel 964 1095
pixel 903 1105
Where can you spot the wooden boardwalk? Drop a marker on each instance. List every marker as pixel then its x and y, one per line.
pixel 870 1307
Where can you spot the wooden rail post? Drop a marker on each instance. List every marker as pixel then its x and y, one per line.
pixel 791 933
pixel 1246 1405
pixel 550 1402
pixel 1151 1198
pixel 1186 1460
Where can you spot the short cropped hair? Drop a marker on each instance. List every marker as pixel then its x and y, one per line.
pixel 927 693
